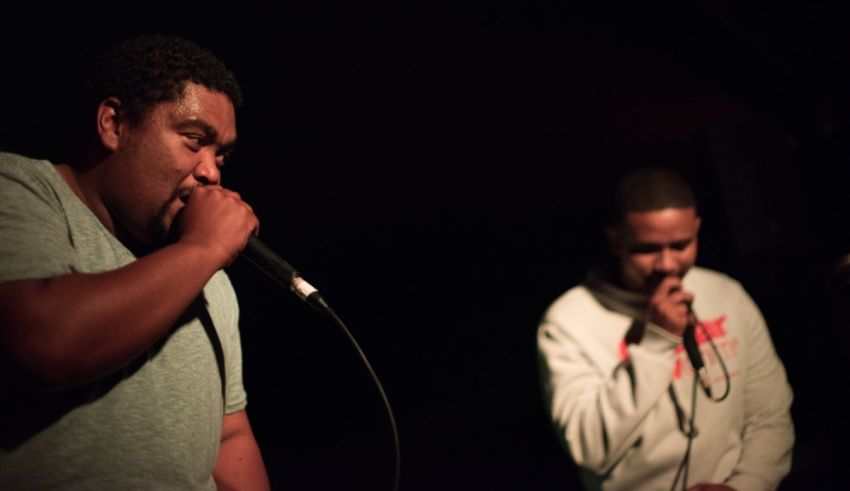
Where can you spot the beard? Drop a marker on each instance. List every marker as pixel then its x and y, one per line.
pixel 159 228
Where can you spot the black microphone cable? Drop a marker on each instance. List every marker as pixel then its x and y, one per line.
pixel 726 376
pixel 691 433
pixel 264 259
pixel 689 341
pixel 700 376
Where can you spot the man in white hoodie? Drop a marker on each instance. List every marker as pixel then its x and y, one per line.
pixel 619 383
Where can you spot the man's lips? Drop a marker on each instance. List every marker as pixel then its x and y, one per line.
pixel 184 195
pixel 179 201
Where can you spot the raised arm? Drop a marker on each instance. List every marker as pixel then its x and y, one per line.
pixel 70 329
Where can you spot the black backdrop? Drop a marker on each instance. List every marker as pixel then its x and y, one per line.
pixel 440 173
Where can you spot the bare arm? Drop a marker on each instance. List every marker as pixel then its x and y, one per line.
pixel 239 465
pixel 67 330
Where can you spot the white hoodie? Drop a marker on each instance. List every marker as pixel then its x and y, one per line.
pixel 622 409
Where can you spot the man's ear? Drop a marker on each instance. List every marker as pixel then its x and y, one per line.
pixel 109 122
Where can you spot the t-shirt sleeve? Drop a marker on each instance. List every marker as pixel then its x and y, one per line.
pixel 34 235
pixel 235 398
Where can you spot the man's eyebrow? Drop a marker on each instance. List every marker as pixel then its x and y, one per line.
pixel 660 245
pixel 201 125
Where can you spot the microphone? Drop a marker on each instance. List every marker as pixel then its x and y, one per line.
pixel 689 340
pixel 264 259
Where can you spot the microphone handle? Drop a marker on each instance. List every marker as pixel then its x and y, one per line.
pixel 692 349
pixel 267 261
pixel 264 258
pixel 690 342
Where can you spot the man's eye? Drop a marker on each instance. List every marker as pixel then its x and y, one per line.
pixel 680 246
pixel 196 141
pixel 644 248
pixel 223 157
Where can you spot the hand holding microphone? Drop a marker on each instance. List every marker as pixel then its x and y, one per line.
pixel 669 305
pixel 670 308
pixel 218 220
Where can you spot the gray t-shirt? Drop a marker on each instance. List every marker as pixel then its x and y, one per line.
pixel 155 424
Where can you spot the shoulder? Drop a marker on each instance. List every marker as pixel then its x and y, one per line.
pixel 223 307
pixel 23 173
pixel 575 297
pixel 219 289
pixel 575 304
pixel 719 293
pixel 17 165
pixel 711 281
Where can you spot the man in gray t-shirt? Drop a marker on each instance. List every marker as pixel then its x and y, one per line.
pixel 120 363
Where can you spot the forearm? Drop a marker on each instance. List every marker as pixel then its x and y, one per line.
pixel 71 329
pixel 239 465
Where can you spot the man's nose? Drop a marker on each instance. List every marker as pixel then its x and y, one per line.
pixel 666 261
pixel 207 171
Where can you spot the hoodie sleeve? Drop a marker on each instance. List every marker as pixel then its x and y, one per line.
pixel 768 433
pixel 599 413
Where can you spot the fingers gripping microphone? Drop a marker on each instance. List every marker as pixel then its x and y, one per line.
pixel 258 254
pixel 692 349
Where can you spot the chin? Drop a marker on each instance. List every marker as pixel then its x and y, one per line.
pixel 157 233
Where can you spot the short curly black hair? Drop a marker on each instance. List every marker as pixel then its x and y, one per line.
pixel 150 69
pixel 650 188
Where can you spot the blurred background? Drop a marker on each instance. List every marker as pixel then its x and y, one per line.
pixel 440 172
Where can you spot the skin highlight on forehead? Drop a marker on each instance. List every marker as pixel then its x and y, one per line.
pixel 208 111
pixel 661 226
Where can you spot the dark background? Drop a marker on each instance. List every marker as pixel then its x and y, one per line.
pixel 440 173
